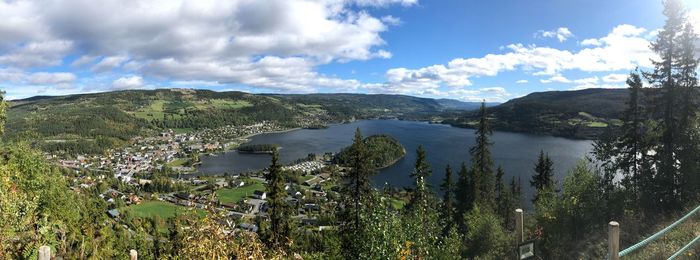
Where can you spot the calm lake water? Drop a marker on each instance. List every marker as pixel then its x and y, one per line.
pixel 444 144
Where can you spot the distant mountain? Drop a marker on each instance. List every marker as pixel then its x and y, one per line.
pixel 90 123
pixel 461 105
pixel 575 114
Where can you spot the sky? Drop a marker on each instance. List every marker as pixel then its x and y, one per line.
pixel 461 49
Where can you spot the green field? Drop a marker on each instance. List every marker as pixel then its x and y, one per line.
pixel 237 194
pixel 597 124
pixel 177 163
pixel 183 130
pixel 222 104
pixel 165 210
pixel 396 203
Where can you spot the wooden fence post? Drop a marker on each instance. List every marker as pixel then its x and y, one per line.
pixel 613 240
pixel 44 253
pixel 519 226
pixel 133 255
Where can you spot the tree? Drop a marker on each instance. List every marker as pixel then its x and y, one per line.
pixel 689 135
pixel 481 159
pixel 420 173
pixel 358 203
pixel 358 178
pixel 280 211
pixel 674 76
pixel 448 201
pixel 543 180
pixel 421 218
pixel 503 197
pixel 3 116
pixel 464 195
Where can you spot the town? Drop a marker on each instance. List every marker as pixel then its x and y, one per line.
pixel 156 176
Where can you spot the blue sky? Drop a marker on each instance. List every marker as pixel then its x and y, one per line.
pixel 467 50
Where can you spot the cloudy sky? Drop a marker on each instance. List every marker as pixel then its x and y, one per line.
pixel 467 50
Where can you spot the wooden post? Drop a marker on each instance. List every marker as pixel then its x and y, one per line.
pixel 519 226
pixel 44 253
pixel 133 255
pixel 613 240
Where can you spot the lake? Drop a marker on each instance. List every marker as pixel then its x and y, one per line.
pixel 444 144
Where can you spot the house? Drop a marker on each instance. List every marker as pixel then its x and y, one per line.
pixel 249 227
pixel 113 213
pixel 183 195
pixel 258 194
pixel 312 207
pixel 235 215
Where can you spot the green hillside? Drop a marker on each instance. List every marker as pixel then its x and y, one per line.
pixel 576 114
pixel 90 123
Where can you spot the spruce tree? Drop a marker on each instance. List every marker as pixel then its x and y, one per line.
pixel 3 117
pixel 279 210
pixel 421 216
pixel 543 180
pixel 464 194
pixel 448 201
pixel 420 173
pixel 503 196
pixel 668 75
pixel 689 143
pixel 482 163
pixel 358 185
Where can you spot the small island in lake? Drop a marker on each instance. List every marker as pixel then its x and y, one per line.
pixel 258 148
pixel 384 151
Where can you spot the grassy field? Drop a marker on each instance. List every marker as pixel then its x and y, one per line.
pixel 237 194
pixel 162 209
pixel 396 203
pixel 183 130
pixel 177 163
pixel 597 124
pixel 222 104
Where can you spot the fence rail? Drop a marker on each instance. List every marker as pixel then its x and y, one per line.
pixel 614 240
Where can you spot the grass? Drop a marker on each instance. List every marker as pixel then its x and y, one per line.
pixel 396 203
pixel 183 130
pixel 222 104
pixel 164 210
pixel 597 124
pixel 177 163
pixel 664 247
pixel 238 194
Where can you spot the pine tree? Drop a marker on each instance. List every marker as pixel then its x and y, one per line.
pixel 503 197
pixel 421 215
pixel 358 178
pixel 3 117
pixel 464 194
pixel 667 76
pixel 279 210
pixel 420 173
pixel 481 160
pixel 543 180
pixel 689 142
pixel 448 201
pixel 358 201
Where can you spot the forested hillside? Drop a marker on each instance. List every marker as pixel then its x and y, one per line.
pixel 577 114
pixel 90 123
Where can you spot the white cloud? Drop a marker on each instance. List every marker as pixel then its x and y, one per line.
pixel 562 34
pixel 131 82
pixel 522 81
pixel 624 48
pixel 48 78
pixel 226 41
pixel 587 86
pixel 109 63
pixel 615 78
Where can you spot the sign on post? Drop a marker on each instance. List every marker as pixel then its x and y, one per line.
pixel 526 250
